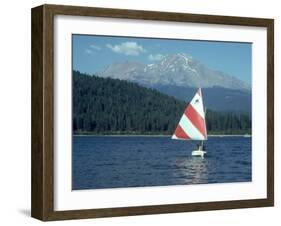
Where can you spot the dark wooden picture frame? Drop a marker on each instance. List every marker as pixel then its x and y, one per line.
pixel 42 203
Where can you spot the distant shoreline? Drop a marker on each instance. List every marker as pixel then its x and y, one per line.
pixel 148 135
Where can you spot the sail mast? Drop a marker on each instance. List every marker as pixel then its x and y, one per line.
pixel 205 111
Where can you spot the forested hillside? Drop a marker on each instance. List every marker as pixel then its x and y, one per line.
pixel 112 106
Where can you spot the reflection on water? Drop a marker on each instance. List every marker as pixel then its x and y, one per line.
pixel 192 170
pixel 112 162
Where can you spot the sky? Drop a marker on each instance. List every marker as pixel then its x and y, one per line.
pixel 93 53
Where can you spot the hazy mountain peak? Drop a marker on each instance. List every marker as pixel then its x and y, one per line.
pixel 178 69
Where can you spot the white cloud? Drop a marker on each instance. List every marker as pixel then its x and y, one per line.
pixel 127 48
pixel 95 47
pixel 88 51
pixel 155 57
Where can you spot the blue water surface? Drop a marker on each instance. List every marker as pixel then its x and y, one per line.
pixel 128 161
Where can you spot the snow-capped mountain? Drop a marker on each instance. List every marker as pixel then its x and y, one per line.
pixel 179 74
pixel 173 70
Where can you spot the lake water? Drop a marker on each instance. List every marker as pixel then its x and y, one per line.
pixel 128 161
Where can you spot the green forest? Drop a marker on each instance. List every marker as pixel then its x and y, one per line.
pixel 113 106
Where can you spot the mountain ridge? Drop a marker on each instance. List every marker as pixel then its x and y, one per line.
pixel 215 98
pixel 177 69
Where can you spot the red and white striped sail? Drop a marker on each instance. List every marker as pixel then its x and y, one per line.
pixel 192 125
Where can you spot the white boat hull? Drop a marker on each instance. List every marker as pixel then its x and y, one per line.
pixel 198 153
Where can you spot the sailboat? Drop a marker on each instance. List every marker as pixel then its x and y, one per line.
pixel 192 125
